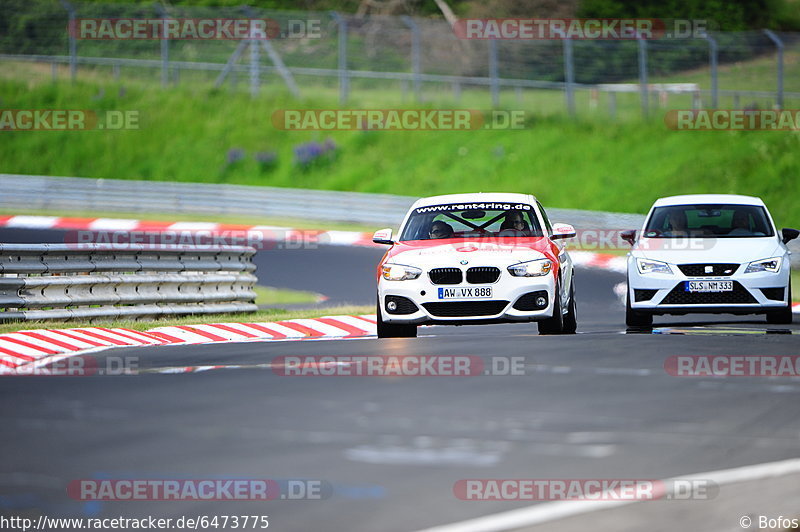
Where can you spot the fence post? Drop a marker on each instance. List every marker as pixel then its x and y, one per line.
pixel 344 82
pixel 713 53
pixel 164 46
pixel 779 43
pixel 569 76
pixel 494 82
pixel 643 75
pixel 73 44
pixel 416 55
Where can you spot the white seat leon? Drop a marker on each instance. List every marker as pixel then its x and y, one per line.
pixel 709 253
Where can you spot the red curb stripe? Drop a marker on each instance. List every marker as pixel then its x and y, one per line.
pixel 167 337
pixel 373 322
pixel 128 336
pixel 275 334
pixel 308 331
pixel 74 337
pixel 205 334
pixel 27 358
pixel 101 337
pixel 23 343
pixel 53 341
pixel 73 223
pixel 353 330
pixel 231 329
pixel 8 364
pixel 136 335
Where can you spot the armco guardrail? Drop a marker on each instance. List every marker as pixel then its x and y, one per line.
pixel 86 194
pixel 76 193
pixel 66 281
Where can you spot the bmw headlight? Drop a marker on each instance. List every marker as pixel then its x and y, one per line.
pixel 398 272
pixel 646 266
pixel 766 265
pixel 532 268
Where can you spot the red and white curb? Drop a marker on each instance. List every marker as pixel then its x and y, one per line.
pixel 118 230
pixel 22 351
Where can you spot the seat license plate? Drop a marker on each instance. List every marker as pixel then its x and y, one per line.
pixel 709 286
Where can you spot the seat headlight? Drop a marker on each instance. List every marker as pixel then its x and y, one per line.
pixel 646 266
pixel 399 272
pixel 765 265
pixel 532 268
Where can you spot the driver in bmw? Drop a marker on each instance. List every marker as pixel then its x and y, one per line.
pixel 440 229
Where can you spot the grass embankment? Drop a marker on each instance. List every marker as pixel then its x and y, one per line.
pixel 187 134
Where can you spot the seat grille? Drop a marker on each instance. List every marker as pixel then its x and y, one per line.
pixel 679 296
pixel 699 270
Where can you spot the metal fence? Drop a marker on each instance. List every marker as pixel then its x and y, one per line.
pixel 71 281
pixel 421 59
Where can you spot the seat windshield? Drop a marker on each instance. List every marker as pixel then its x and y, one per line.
pixel 717 221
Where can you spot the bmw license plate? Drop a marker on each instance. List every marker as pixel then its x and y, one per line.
pixel 709 286
pixel 466 292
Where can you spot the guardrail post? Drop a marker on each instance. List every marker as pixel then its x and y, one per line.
pixel 643 75
pixel 713 52
pixel 416 55
pixel 569 76
pixel 164 46
pixel 73 43
pixel 344 82
pixel 779 43
pixel 494 81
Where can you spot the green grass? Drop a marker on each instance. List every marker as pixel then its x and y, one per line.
pixel 268 295
pixel 586 163
pixel 269 315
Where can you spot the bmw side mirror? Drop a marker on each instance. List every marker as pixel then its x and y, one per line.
pixel 628 236
pixel 384 236
pixel 789 234
pixel 562 231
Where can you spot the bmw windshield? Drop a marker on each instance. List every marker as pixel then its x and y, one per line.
pixel 472 220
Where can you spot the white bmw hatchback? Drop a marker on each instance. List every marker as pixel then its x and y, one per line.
pixel 475 258
pixel 709 253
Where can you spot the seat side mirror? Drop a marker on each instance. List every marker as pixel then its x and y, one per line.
pixel 628 236
pixel 789 234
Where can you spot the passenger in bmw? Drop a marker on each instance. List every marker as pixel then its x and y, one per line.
pixel 440 229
